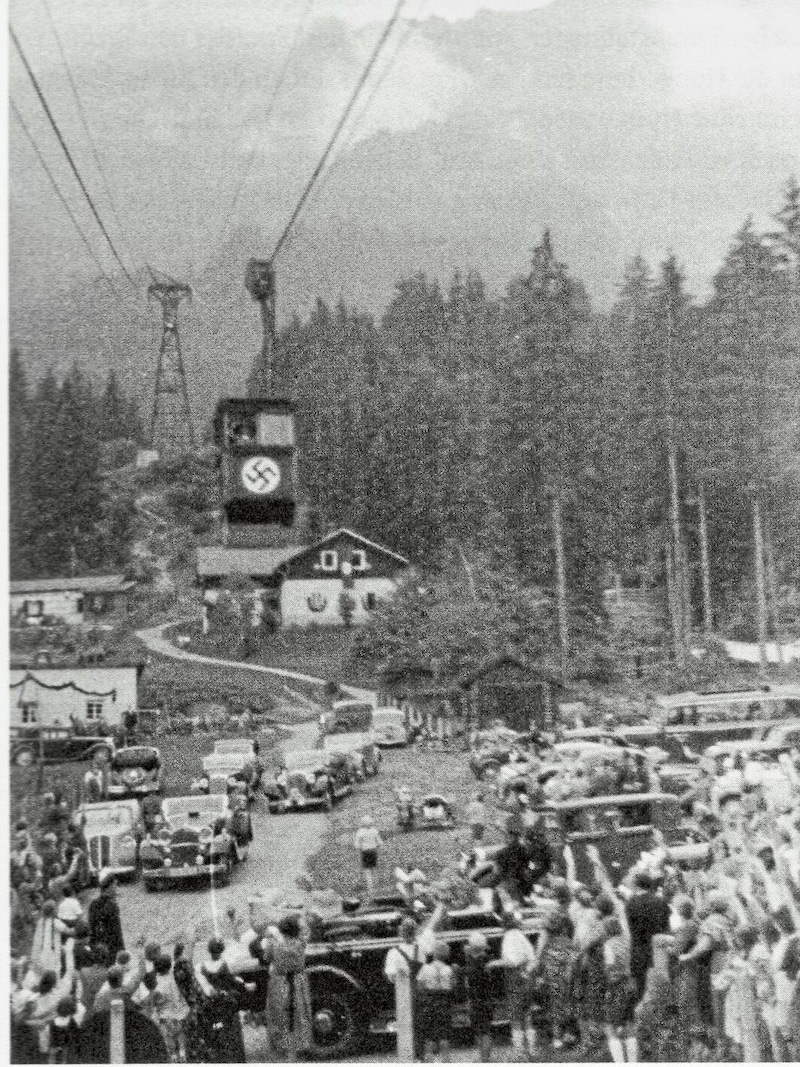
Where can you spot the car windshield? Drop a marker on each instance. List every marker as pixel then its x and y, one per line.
pixel 222 762
pixel 240 744
pixel 310 758
pixel 201 807
pixel 111 816
pixel 135 757
pixel 389 717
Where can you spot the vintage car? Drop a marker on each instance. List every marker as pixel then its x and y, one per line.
pixel 226 773
pixel 622 828
pixel 243 746
pixel 390 728
pixel 56 744
pixel 347 716
pixel 112 829
pixel 350 994
pixel 134 772
pixel 366 757
pixel 310 778
pixel 203 837
pixel 773 746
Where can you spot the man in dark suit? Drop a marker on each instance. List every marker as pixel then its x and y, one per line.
pixel 648 915
pixel 105 925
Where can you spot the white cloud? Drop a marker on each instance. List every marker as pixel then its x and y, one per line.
pixel 724 50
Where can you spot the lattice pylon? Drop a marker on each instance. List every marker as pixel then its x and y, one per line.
pixel 171 427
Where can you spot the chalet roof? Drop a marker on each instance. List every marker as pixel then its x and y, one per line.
pixel 216 561
pixel 91 583
pixel 503 659
pixel 356 537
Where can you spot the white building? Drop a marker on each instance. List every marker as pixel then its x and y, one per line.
pixel 42 601
pixel 55 696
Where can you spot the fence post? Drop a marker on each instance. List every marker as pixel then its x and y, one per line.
pixel 116 1032
pixel 404 1014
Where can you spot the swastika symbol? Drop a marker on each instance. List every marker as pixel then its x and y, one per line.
pixel 261 475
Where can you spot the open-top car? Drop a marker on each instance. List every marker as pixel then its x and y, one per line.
pixel 351 996
pixel 491 749
pixel 225 773
pixel 310 778
pixel 243 746
pixel 364 753
pixel 134 772
pixel 390 727
pixel 202 838
pixel 112 829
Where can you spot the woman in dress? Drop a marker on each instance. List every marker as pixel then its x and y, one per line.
pixel 46 947
pixel 288 994
pixel 556 961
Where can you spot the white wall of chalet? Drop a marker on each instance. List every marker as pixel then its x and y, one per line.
pixel 309 601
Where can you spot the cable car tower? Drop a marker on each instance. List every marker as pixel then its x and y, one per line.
pixel 259 281
pixel 171 429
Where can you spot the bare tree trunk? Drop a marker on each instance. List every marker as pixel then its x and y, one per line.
pixel 673 602
pixel 561 584
pixel 705 568
pixel 676 553
pixel 761 591
pixel 772 585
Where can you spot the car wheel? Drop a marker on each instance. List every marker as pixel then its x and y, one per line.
pixel 338 1021
pixel 23 757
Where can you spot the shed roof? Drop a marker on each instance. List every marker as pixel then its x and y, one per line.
pixel 503 659
pixel 216 561
pixel 90 583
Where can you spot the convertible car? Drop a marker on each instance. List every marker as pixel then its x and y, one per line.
pixel 112 829
pixel 311 778
pixel 134 772
pixel 202 839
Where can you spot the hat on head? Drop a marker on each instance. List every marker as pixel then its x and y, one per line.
pixel 476 945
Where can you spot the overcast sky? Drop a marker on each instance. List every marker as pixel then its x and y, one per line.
pixel 626 125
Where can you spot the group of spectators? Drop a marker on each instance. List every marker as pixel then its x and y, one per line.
pixel 665 960
pixel 182 1002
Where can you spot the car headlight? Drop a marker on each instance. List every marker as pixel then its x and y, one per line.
pixel 167 861
pixel 200 860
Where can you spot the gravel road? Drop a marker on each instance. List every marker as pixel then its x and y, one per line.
pixel 281 845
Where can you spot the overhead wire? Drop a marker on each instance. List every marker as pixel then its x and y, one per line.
pixel 400 43
pixel 60 195
pixel 270 109
pixel 339 126
pixel 66 151
pixel 86 128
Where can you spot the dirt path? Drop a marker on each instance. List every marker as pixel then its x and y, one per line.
pixel 154 639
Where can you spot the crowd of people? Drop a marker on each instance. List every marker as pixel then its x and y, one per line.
pixel 663 961
pixel 194 996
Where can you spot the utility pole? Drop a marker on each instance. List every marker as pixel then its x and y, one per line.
pixel 171 427
pixel 678 599
pixel 259 281
pixel 761 585
pixel 561 583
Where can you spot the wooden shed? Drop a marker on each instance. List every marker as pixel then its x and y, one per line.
pixel 521 694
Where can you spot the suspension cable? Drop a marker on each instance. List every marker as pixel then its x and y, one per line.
pixel 400 44
pixel 67 153
pixel 60 195
pixel 339 126
pixel 267 116
pixel 85 124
